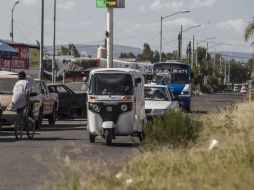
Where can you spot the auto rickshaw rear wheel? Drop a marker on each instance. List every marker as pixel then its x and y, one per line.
pixel 141 136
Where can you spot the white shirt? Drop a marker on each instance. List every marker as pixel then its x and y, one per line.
pixel 20 91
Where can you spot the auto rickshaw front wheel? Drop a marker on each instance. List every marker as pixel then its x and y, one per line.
pixel 91 138
pixel 108 137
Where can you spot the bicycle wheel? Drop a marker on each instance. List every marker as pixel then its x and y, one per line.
pixel 19 127
pixel 30 129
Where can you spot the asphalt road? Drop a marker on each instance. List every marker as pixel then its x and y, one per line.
pixel 20 170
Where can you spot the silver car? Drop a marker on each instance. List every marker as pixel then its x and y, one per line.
pixel 158 99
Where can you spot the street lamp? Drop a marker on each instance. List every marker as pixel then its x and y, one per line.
pixel 181 39
pixel 12 34
pixel 210 38
pixel 183 11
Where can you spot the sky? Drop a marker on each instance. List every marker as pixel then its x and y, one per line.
pixel 79 21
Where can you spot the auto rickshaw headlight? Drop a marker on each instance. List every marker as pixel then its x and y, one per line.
pixel 95 108
pixel 124 107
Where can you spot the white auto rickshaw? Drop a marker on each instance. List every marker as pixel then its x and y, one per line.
pixel 116 104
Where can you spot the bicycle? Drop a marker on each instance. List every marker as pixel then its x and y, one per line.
pixel 25 121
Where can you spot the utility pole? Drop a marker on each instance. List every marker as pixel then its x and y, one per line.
pixel 54 45
pixel 161 39
pixel 193 49
pixel 225 73
pixel 181 44
pixel 110 37
pixel 42 40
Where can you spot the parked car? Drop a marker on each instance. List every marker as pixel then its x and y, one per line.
pixel 244 88
pixel 237 87
pixel 7 82
pixel 158 99
pixel 1 112
pixel 71 104
pixel 49 104
pixel 78 87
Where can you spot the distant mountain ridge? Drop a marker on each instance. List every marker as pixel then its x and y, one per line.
pixel 238 56
pixel 91 50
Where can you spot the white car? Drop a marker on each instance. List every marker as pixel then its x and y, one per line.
pixel 158 99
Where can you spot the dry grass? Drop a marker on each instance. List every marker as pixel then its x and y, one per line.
pixel 230 165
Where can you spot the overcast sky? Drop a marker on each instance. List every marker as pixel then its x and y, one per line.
pixel 78 21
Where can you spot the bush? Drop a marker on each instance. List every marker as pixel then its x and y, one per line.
pixel 174 128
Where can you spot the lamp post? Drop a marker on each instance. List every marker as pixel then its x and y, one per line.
pixel 181 38
pixel 42 40
pixel 210 38
pixel 183 11
pixel 12 10
pixel 54 45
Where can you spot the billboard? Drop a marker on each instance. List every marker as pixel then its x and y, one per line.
pixel 110 3
pixel 34 58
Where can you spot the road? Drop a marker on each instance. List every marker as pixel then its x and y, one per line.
pixel 20 170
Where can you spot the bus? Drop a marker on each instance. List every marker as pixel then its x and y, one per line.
pixel 177 76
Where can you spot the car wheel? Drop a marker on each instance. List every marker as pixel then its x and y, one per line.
pixel 0 120
pixel 52 117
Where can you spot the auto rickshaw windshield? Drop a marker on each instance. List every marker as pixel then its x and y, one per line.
pixel 111 84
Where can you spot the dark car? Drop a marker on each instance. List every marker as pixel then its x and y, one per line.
pixel 71 104
pixel 78 87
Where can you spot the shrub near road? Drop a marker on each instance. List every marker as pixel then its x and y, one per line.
pixel 229 164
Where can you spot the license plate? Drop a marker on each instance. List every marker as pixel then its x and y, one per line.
pixel 109 109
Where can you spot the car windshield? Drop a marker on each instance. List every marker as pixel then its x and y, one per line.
pixel 7 85
pixel 156 94
pixel 78 87
pixel 111 84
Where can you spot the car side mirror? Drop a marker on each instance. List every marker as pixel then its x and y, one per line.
pixel 42 91
pixel 175 99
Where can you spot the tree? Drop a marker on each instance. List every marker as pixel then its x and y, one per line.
pixel 249 30
pixel 70 50
pixel 147 53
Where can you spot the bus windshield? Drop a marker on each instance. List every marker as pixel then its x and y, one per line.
pixel 166 73
pixel 111 84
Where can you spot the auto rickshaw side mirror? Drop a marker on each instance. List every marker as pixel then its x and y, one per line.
pixel 33 94
pixel 138 80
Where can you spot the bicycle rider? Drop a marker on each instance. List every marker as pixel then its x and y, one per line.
pixel 21 92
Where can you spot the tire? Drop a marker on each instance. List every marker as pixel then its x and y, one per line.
pixel 108 137
pixel 92 138
pixel 19 127
pixel 30 129
pixel 52 117
pixel 0 119
pixel 38 123
pixel 141 136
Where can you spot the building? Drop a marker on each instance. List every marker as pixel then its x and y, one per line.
pixel 26 59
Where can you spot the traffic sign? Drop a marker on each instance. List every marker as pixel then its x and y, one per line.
pixel 110 3
pixel 101 4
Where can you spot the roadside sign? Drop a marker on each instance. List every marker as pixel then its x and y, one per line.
pixel 101 4
pixel 110 3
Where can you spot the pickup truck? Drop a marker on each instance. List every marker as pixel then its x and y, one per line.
pixel 71 104
pixel 1 112
pixel 49 106
pixel 7 82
